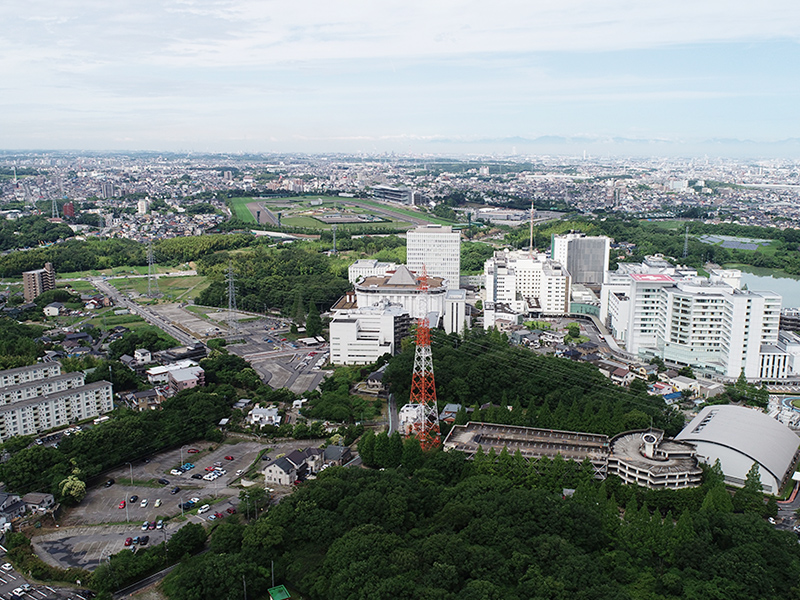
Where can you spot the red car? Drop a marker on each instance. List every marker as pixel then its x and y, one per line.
pixel 128 541
pixel 193 451
pixel 219 515
pixel 209 468
pixel 228 458
pixel 230 510
pixel 283 339
pixel 121 504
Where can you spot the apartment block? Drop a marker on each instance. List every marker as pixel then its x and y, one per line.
pixel 46 399
pixel 38 281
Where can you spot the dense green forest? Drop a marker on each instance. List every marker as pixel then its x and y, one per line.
pixel 27 232
pixel 543 391
pixel 17 345
pixel 497 528
pixel 286 278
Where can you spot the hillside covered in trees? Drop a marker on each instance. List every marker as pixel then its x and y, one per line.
pixel 446 528
pixel 543 391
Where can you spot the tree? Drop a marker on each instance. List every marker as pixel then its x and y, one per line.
pixel 574 330
pixel 189 539
pixel 72 489
pixel 366 448
pixel 750 497
pixel 686 372
pixel 313 321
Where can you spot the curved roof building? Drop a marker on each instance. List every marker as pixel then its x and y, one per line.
pixel 739 437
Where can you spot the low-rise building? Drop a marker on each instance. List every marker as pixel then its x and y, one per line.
pixel 263 416
pixel 185 379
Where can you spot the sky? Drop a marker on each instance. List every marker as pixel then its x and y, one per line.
pixel 504 76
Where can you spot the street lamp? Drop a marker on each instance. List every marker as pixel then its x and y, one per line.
pixel 127 518
pixel 131 468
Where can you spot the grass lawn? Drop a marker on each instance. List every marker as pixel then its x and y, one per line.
pixel 110 320
pixel 80 286
pixel 304 221
pixel 240 210
pixel 171 288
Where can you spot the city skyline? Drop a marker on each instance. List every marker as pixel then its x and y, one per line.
pixel 605 77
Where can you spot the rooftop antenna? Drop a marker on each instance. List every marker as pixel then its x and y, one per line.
pixel 232 323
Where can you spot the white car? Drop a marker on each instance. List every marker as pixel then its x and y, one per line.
pixel 7 567
pixel 143 503
pixel 194 500
pixel 203 509
pixel 158 502
pixel 176 472
pixel 208 477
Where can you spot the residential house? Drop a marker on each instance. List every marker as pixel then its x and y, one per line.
pixel 53 309
pixel 298 464
pixel 38 502
pixel 622 377
pixel 264 416
pixel 11 506
pixel 337 455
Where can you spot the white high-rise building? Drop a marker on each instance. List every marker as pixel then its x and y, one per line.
pixel 438 248
pixel 368 267
pixel 706 323
pixel 360 336
pixel 584 257
pixel 527 283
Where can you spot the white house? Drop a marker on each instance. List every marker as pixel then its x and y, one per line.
pixel 264 416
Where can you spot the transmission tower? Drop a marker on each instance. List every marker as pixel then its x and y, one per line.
pixel 333 227
pixel 233 324
pixel 54 211
pixel 152 280
pixel 686 242
pixel 423 386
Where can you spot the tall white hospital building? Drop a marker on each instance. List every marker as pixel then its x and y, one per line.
pixel 439 249
pixel 710 323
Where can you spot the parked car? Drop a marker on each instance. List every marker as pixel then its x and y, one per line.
pixel 212 517
pixel 197 476
pixel 230 510
pixel 193 450
pixel 145 525
pixel 160 524
pixel 143 503
pixel 135 540
pixel 163 481
pixel 203 509
pixel 128 541
pixel 228 458
pixel 121 504
pixel 109 483
pixel 219 515
pixel 158 502
pixel 175 490
pixel 194 500
pixel 7 567
pixel 143 540
pixel 209 468
pixel 176 472
pixel 134 498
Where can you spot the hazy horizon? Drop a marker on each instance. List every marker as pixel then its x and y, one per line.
pixel 610 77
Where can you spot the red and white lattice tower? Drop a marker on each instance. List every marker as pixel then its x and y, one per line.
pixel 423 386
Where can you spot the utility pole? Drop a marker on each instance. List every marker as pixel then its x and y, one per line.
pixel 152 280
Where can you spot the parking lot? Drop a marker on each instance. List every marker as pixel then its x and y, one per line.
pixel 102 504
pixel 97 527
pixel 14 587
